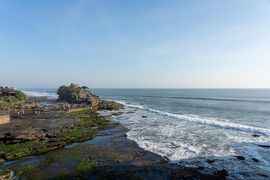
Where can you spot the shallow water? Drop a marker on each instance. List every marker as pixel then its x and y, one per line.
pixel 96 141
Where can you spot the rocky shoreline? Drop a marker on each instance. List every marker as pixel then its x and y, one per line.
pixel 110 155
pixel 50 139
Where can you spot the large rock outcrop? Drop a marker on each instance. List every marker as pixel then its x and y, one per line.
pixel 75 94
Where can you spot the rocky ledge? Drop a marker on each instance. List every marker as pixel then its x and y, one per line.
pixel 55 142
pixel 110 155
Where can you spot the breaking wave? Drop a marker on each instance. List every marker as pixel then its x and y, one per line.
pixel 41 94
pixel 219 123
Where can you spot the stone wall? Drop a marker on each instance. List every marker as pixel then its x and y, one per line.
pixel 4 119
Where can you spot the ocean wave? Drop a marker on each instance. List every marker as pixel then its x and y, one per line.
pixel 205 98
pixel 165 149
pixel 41 94
pixel 225 124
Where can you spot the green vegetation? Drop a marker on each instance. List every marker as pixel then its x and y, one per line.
pixel 11 100
pixel 15 151
pixel 90 122
pixel 89 118
pixel 20 95
pixel 84 166
pixel 29 172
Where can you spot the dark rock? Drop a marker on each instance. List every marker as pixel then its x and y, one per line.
pixel 27 134
pixel 44 130
pixel 255 160
pixel 222 173
pixel 109 105
pixel 7 134
pixel 200 168
pixel 166 159
pixel 263 175
pixel 256 135
pixel 130 112
pixel 51 136
pixel 2 155
pixel 117 114
pixel 240 157
pixel 263 145
pixel 144 116
pixel 211 161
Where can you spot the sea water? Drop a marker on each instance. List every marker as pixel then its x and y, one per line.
pixel 199 127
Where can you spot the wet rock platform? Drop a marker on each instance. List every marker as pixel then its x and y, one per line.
pixel 110 155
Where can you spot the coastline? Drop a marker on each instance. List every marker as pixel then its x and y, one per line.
pixel 105 154
pixel 108 155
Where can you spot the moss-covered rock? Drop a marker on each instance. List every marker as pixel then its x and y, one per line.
pixel 89 123
pixel 109 105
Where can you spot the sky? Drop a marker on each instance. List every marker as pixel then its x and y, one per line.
pixel 135 43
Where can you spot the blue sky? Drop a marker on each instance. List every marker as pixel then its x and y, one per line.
pixel 135 43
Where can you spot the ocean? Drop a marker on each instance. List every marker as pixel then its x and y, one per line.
pixel 197 127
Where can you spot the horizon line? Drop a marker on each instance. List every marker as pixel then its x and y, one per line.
pixel 148 88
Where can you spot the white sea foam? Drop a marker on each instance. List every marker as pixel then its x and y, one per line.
pixel 41 94
pixel 191 140
pixel 219 123
pixel 164 149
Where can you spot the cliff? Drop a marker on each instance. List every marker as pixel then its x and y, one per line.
pixel 74 94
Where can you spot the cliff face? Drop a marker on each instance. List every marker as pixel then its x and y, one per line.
pixel 75 94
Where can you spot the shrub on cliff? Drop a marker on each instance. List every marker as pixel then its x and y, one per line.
pixel 20 95
pixel 10 98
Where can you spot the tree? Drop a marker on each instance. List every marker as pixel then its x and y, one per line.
pixel 62 92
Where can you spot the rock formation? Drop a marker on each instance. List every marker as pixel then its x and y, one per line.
pixel 11 98
pixel 74 94
pixel 109 105
pixel 6 93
